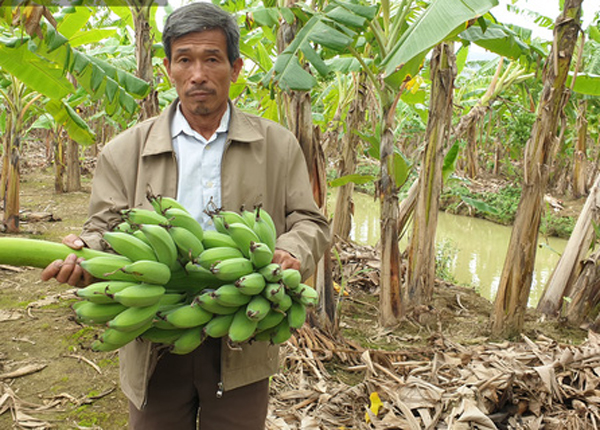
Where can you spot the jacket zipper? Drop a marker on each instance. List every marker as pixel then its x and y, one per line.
pixel 220 389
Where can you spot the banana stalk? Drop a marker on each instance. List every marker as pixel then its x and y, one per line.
pixel 18 251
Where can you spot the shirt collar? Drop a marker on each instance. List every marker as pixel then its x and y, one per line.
pixel 181 125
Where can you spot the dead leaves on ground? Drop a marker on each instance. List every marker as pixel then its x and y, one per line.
pixel 527 385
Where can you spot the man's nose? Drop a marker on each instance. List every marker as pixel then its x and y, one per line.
pixel 198 72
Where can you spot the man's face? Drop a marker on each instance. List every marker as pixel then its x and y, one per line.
pixel 201 72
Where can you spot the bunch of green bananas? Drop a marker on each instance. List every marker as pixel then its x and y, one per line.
pixel 173 283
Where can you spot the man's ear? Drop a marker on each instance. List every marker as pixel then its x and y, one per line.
pixel 237 68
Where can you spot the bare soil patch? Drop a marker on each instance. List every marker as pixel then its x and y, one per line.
pixel 442 371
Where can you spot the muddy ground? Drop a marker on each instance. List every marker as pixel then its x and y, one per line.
pixel 49 378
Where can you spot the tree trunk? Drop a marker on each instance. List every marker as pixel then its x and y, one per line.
pixel 73 167
pixel 149 106
pixel 342 218
pixel 472 152
pixel 421 249
pixel 580 154
pixel 567 270
pixel 11 200
pixel 298 112
pixel 515 283
pixel 59 165
pixel 391 305
pixel 586 293
pixel 407 207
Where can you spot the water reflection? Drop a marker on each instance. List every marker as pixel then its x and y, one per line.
pixel 478 247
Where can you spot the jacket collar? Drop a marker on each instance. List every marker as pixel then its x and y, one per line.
pixel 159 140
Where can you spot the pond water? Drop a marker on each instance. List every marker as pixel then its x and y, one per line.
pixel 477 248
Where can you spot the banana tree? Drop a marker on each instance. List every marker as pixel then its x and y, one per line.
pixel 37 47
pixel 399 37
pixel 515 283
pixel 20 105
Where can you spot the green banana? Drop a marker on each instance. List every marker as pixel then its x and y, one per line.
pixel 296 315
pixel 100 346
pixel 129 246
pixel 273 318
pixel 162 243
pixel 124 227
pixel 162 324
pixel 218 326
pixel 121 338
pixel 251 284
pixel 150 272
pixel 102 291
pixel 282 332
pixel 181 218
pixel 192 280
pixel 141 236
pixel 159 335
pixel 260 254
pixel 211 256
pixel 208 302
pixel 230 217
pixel 258 308
pixel 213 239
pixel 188 245
pixel 188 341
pixel 143 216
pixel 230 295
pixel 108 267
pixel 264 335
pixel 291 278
pixel 219 222
pixel 264 228
pixel 139 295
pixel 188 316
pixel 242 328
pixel 94 313
pixel 172 298
pixel 274 292
pixel 308 296
pixel 163 203
pixel 242 235
pixel 248 217
pixel 133 318
pixel 271 272
pixel 232 269
pixel 284 304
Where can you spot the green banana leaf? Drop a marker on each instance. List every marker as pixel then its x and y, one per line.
pixel 437 22
pixel 288 71
pixel 64 114
pixel 585 83
pixel 34 71
pixel 500 40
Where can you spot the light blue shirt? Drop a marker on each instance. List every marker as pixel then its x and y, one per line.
pixel 199 166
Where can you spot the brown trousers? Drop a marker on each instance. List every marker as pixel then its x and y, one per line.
pixel 182 395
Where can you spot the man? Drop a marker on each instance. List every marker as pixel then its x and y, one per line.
pixel 201 150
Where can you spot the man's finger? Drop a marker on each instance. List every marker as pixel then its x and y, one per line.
pixel 51 270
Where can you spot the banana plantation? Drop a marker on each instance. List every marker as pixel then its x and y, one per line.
pixel 426 106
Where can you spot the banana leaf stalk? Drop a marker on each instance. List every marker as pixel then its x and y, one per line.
pixel 18 251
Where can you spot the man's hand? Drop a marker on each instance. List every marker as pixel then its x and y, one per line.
pixel 285 259
pixel 68 271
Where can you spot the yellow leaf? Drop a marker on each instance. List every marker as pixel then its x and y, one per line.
pixel 337 288
pixel 376 404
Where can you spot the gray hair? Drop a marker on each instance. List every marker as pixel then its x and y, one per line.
pixel 197 17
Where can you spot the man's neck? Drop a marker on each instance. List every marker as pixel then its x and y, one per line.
pixel 206 125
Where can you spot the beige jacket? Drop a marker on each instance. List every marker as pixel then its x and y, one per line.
pixel 263 163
